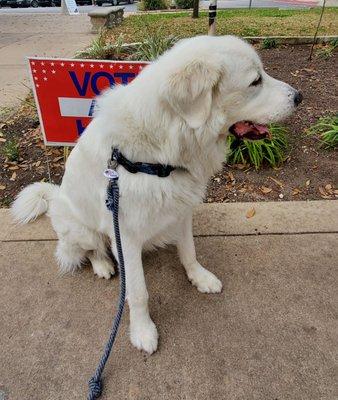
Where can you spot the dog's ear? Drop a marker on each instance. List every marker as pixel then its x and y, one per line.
pixel 189 91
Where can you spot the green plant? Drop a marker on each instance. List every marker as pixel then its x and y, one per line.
pixel 184 4
pixel 153 46
pixel 326 130
pixel 269 43
pixel 328 50
pixel 11 150
pixel 146 5
pixel 257 152
pixel 101 49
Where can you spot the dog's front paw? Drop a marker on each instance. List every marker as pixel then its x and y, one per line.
pixel 144 336
pixel 205 281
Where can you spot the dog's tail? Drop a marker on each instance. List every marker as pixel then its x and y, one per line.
pixel 33 201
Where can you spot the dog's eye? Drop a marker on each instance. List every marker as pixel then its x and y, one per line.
pixel 257 81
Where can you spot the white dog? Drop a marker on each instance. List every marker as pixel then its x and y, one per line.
pixel 177 112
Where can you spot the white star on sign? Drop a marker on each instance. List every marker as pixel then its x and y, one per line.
pixel 53 72
pixel 34 70
pixel 111 66
pixel 33 63
pixel 36 78
pixel 42 63
pixel 121 67
pixel 140 67
pixel 91 65
pixel 43 71
pixel 62 64
pixel 37 85
pixel 52 64
pixel 44 78
pixel 101 65
pixel 72 64
pixel 131 67
pixel 81 65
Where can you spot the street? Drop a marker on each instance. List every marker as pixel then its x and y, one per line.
pixel 131 8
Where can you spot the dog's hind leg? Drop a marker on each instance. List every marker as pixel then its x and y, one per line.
pixel 102 265
pixel 70 255
pixel 204 280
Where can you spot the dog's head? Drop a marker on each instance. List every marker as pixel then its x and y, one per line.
pixel 208 76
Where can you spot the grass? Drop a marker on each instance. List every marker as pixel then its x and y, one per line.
pixel 259 152
pixel 10 150
pixel 243 22
pixel 269 43
pixel 328 50
pixel 326 130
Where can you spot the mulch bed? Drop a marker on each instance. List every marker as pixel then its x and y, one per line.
pixel 309 173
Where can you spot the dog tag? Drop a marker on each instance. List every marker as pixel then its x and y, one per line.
pixel 110 174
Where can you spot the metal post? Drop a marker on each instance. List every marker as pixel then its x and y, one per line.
pixel 212 17
pixel 250 3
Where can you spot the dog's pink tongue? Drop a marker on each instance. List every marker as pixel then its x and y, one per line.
pixel 249 130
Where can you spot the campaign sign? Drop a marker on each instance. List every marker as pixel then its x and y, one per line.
pixel 65 92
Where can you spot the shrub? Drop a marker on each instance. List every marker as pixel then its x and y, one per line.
pixel 258 152
pixel 145 5
pixel 153 46
pixel 184 4
pixel 11 150
pixel 326 130
pixel 269 43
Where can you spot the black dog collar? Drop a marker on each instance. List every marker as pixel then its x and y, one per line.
pixel 160 170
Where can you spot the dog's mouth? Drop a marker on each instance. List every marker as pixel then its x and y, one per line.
pixel 250 130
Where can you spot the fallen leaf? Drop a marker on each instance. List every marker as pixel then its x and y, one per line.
pixel 239 166
pixel 279 183
pixel 335 191
pixel 13 168
pixel 56 159
pixel 37 163
pixel 3 140
pixel 328 188
pixel 251 212
pixel 231 176
pixel 265 189
pixel 2 187
pixel 295 191
pixel 13 177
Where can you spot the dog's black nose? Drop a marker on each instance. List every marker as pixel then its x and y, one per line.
pixel 298 98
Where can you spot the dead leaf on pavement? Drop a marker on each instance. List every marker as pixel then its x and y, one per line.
pixel 13 168
pixel 265 189
pixel 13 177
pixel 307 183
pixel 37 163
pixel 3 140
pixel 2 187
pixel 296 191
pixel 251 212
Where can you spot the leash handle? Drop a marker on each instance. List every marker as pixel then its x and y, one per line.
pixel 112 202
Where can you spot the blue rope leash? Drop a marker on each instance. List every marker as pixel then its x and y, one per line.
pixel 112 203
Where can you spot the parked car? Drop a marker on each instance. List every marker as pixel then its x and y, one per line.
pixel 113 2
pixel 30 3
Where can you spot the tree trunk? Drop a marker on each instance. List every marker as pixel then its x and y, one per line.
pixel 196 9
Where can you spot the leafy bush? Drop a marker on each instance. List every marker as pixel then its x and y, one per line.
pixel 326 130
pixel 153 46
pixel 258 152
pixel 146 5
pixel 184 4
pixel 11 150
pixel 327 50
pixel 100 49
pixel 269 43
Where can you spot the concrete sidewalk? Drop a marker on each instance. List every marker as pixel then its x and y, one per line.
pixel 45 35
pixel 271 334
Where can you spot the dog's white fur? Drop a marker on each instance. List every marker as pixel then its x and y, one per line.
pixel 178 112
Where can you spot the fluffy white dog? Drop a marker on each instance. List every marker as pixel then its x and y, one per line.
pixel 178 111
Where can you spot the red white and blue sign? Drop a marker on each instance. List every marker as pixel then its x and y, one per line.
pixel 65 92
